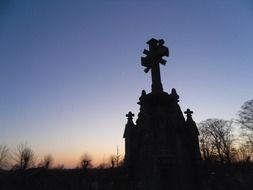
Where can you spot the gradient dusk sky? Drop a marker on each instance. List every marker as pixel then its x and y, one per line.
pixel 70 70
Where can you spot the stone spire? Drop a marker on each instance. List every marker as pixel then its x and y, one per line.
pixel 129 136
pixel 129 125
pixel 188 113
pixel 190 123
pixel 129 116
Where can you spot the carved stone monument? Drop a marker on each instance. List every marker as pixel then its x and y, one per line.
pixel 162 148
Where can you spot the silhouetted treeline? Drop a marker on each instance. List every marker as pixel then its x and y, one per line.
pixel 23 157
pixel 228 141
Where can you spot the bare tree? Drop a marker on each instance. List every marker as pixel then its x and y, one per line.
pixel 47 162
pixel 246 115
pixel 246 120
pixel 4 156
pixel 216 140
pixel 23 157
pixel 115 160
pixel 112 160
pixel 244 152
pixel 85 161
pixel 206 147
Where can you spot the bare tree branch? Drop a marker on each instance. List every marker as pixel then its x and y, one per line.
pixel 246 115
pixel 4 156
pixel 47 162
pixel 216 140
pixel 23 157
pixel 85 161
pixel 246 120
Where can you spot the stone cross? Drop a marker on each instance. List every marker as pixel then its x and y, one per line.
pixel 130 116
pixel 188 113
pixel 153 57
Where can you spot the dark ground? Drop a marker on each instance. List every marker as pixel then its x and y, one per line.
pixel 214 177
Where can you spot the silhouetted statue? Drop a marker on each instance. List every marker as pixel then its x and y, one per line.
pixel 161 150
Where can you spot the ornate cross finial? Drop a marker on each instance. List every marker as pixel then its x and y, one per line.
pixel 188 113
pixel 154 56
pixel 130 116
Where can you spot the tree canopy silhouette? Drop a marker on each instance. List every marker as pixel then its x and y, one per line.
pixel 216 140
pixel 4 156
pixel 24 157
pixel 246 116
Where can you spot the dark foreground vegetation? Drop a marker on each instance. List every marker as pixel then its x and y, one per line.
pixel 236 176
pixel 63 179
pixel 215 176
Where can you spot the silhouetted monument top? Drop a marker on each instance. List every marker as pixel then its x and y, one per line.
pixel 130 116
pixel 188 113
pixel 154 56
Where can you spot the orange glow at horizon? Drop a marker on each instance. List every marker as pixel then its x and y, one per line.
pixel 71 158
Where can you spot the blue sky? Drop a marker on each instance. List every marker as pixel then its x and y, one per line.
pixel 70 70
